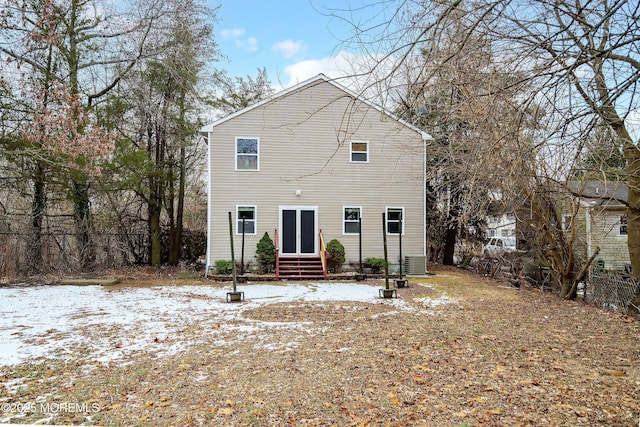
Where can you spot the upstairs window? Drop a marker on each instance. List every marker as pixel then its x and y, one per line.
pixel 247 151
pixel 248 214
pixel 359 151
pixel 623 225
pixel 394 217
pixel 351 219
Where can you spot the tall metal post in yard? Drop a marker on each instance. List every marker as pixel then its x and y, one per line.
pixel 233 259
pixel 386 257
pixel 360 275
pixel 242 252
pixel 234 296
pixel 400 282
pixel 360 241
pixel 386 292
pixel 400 241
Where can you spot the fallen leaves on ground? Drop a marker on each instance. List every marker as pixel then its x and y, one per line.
pixel 494 357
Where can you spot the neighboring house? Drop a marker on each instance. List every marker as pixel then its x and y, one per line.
pixel 501 220
pixel 310 161
pixel 600 221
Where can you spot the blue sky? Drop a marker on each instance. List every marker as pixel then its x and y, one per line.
pixel 293 39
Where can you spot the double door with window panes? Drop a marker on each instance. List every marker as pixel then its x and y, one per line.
pixel 298 229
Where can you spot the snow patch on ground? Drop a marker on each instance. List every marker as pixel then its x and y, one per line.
pixel 108 324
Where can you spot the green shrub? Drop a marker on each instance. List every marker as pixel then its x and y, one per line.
pixel 223 266
pixel 376 264
pixel 266 254
pixel 335 255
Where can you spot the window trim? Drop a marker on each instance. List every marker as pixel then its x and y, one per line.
pixel 621 223
pixel 257 155
pixel 344 220
pixel 404 222
pixel 255 219
pixel 351 152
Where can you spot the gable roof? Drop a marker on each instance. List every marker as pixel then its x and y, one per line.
pixel 602 193
pixel 309 82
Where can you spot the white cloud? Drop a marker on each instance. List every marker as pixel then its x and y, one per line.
pixel 369 76
pixel 232 33
pixel 334 67
pixel 250 44
pixel 288 48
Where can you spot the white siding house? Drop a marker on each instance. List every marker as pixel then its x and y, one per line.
pixel 309 160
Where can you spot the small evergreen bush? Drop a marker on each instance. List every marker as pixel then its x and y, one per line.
pixel 335 255
pixel 266 254
pixel 376 264
pixel 223 266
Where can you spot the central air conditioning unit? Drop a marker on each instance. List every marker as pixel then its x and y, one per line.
pixel 416 264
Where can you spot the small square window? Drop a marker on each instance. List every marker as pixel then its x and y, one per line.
pixel 351 220
pixel 246 214
pixel 359 151
pixel 623 225
pixel 395 217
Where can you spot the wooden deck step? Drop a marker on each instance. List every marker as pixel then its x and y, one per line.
pixel 308 268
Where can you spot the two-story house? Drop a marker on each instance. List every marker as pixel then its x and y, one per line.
pixel 600 221
pixel 306 165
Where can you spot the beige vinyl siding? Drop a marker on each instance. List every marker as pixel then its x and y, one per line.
pixel 305 146
pixel 605 232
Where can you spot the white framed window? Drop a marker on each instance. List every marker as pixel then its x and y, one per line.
pixel 359 151
pixel 566 222
pixel 511 216
pixel 351 219
pixel 623 225
pixel 247 153
pixel 395 216
pixel 248 214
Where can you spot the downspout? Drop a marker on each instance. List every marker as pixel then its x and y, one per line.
pixel 209 202
pixel 587 215
pixel 425 137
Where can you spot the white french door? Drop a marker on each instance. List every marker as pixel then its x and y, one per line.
pixel 298 230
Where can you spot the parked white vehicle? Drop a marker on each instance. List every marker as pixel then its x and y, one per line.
pixel 498 246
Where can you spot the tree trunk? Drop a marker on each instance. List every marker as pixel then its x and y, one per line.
pixel 633 209
pixel 37 214
pixel 452 229
pixel 155 232
pixel 449 246
pixel 175 246
pixel 156 150
pixel 175 249
pixel 82 217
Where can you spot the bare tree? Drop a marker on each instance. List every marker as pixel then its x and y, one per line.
pixel 159 121
pixel 578 62
pixel 68 56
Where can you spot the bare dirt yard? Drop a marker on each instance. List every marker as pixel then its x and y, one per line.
pixel 453 349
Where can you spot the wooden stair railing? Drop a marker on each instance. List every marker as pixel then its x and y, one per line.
pixel 275 234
